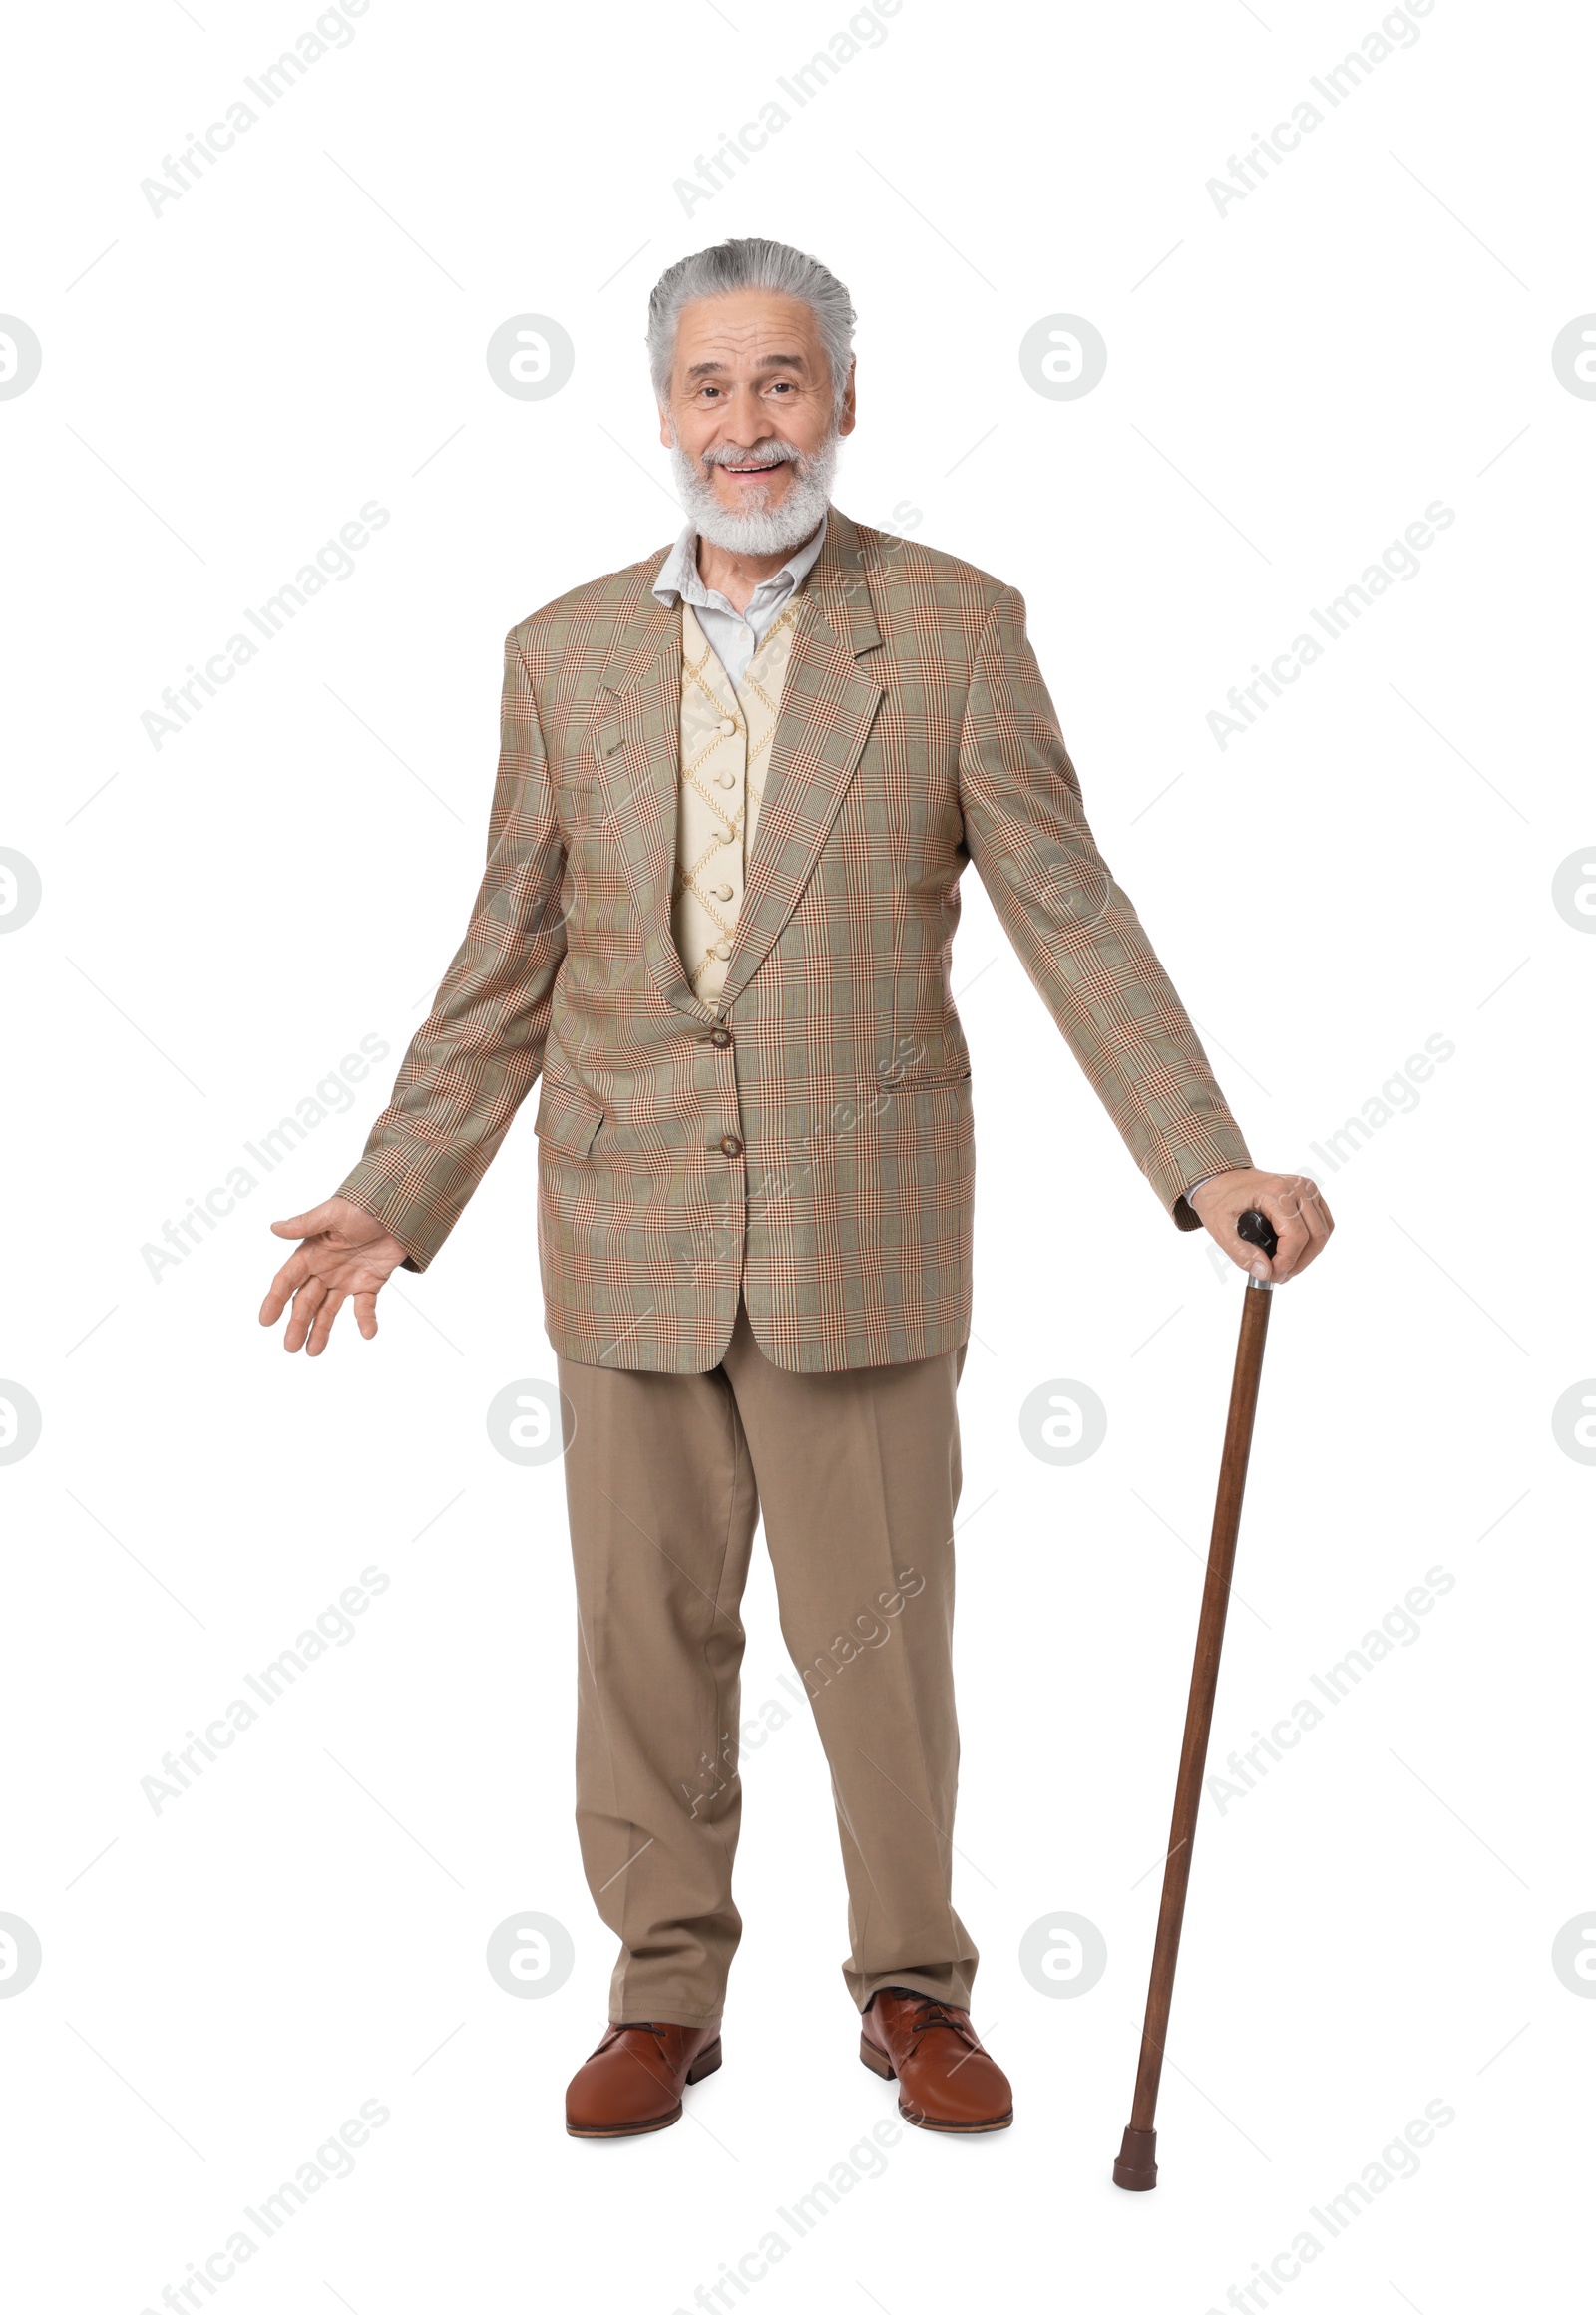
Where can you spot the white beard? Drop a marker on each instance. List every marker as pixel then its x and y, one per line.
pixel 759 528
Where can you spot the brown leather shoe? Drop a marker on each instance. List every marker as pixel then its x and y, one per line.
pixel 635 2078
pixel 947 2081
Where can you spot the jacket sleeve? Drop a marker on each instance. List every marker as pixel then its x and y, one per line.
pixel 479 1051
pixel 1075 932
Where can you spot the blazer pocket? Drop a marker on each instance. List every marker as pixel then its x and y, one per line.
pixel 922 1080
pixel 580 780
pixel 568 1119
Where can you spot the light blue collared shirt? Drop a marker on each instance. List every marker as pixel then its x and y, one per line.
pixel 733 636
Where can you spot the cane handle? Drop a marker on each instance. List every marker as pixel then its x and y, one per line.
pixel 1255 1229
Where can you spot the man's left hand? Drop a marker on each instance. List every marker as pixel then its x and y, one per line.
pixel 1293 1204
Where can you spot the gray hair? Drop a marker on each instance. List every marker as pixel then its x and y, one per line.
pixel 752 265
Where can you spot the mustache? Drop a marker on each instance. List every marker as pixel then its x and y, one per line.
pixel 754 454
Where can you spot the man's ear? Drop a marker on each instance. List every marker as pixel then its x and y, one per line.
pixel 845 424
pixel 668 432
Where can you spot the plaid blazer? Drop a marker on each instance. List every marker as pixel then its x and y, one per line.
pixel 809 1136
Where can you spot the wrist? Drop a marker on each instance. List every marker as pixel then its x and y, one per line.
pixel 1207 1181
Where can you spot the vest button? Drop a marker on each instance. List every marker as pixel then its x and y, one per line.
pixel 727 727
pixel 721 949
pixel 719 1036
pixel 730 1145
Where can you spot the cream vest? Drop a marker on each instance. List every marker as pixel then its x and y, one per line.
pixel 726 734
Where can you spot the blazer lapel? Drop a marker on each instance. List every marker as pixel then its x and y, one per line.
pixel 637 717
pixel 827 707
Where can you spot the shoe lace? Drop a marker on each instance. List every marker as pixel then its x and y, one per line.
pixel 933 2012
pixel 635 2026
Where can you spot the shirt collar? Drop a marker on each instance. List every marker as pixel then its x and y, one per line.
pixel 678 579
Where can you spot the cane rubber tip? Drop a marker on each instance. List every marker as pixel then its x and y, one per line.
pixel 1137 2170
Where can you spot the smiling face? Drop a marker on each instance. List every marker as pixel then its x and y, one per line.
pixel 752 413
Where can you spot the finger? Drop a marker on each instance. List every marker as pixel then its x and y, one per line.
pixel 289 1278
pixel 323 1325
pixel 1319 1222
pixel 305 1305
pixel 306 1225
pixel 366 1314
pixel 1221 1226
pixel 1295 1223
pixel 1252 1258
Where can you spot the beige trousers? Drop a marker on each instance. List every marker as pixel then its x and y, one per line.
pixel 856 1475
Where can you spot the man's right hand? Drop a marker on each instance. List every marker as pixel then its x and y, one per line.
pixel 343 1252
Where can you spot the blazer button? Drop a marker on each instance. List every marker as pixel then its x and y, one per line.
pixel 730 1145
pixel 720 1036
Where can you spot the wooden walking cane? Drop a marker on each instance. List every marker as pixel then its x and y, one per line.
pixel 1136 2168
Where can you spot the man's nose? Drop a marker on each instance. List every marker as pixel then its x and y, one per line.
pixel 744 418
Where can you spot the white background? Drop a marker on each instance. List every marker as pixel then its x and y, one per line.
pixel 1289 385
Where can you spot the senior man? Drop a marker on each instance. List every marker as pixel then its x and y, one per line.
pixel 738 784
